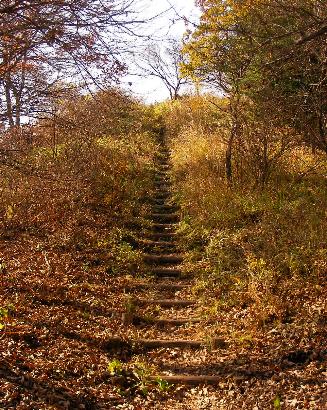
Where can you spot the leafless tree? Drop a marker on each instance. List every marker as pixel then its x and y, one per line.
pixel 163 62
pixel 63 39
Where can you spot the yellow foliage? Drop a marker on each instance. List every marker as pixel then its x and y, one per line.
pixel 10 212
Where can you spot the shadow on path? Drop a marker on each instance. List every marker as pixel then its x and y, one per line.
pixel 44 391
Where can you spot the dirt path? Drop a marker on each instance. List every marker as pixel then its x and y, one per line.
pixel 175 312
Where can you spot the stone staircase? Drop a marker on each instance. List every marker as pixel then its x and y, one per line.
pixel 163 261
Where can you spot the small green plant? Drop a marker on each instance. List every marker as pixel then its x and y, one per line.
pixel 10 212
pixel 11 308
pixel 86 267
pixel 246 339
pixel 153 311
pixel 130 305
pixel 115 367
pixel 163 385
pixel 39 247
pixel 277 403
pixel 86 315
pixel 3 267
pixel 121 257
pixel 135 378
pixel 141 373
pixel 3 315
pixel 199 287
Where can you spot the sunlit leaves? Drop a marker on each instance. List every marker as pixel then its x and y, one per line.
pixel 273 52
pixel 79 41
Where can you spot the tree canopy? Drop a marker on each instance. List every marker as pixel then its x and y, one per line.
pixel 54 40
pixel 274 52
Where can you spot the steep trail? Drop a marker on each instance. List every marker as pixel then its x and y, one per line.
pixel 174 315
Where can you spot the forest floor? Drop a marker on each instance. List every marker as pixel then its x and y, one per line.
pixel 61 308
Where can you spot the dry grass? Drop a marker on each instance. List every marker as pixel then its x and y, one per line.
pixel 263 247
pixel 55 187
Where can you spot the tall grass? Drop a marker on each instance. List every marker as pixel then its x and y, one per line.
pixel 258 245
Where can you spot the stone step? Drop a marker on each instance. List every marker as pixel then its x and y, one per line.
pixel 162 161
pixel 164 218
pixel 163 152
pixel 158 201
pixel 162 173
pixel 163 227
pixel 170 344
pixel 162 259
pixel 159 250
pixel 159 246
pixel 162 187
pixel 163 244
pixel 164 236
pixel 165 208
pixel 162 191
pixel 162 195
pixel 165 302
pixel 118 343
pixel 157 286
pixel 164 322
pixel 189 380
pixel 162 201
pixel 166 185
pixel 163 165
pixel 171 286
pixel 162 179
pixel 166 272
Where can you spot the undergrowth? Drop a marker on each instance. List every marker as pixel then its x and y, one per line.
pixel 261 248
pixel 91 168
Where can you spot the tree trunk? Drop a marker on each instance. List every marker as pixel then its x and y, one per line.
pixel 234 111
pixel 322 130
pixel 9 103
pixel 265 164
pixel 18 92
pixel 229 155
pixel 18 111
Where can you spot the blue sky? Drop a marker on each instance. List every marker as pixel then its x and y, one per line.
pixel 168 25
